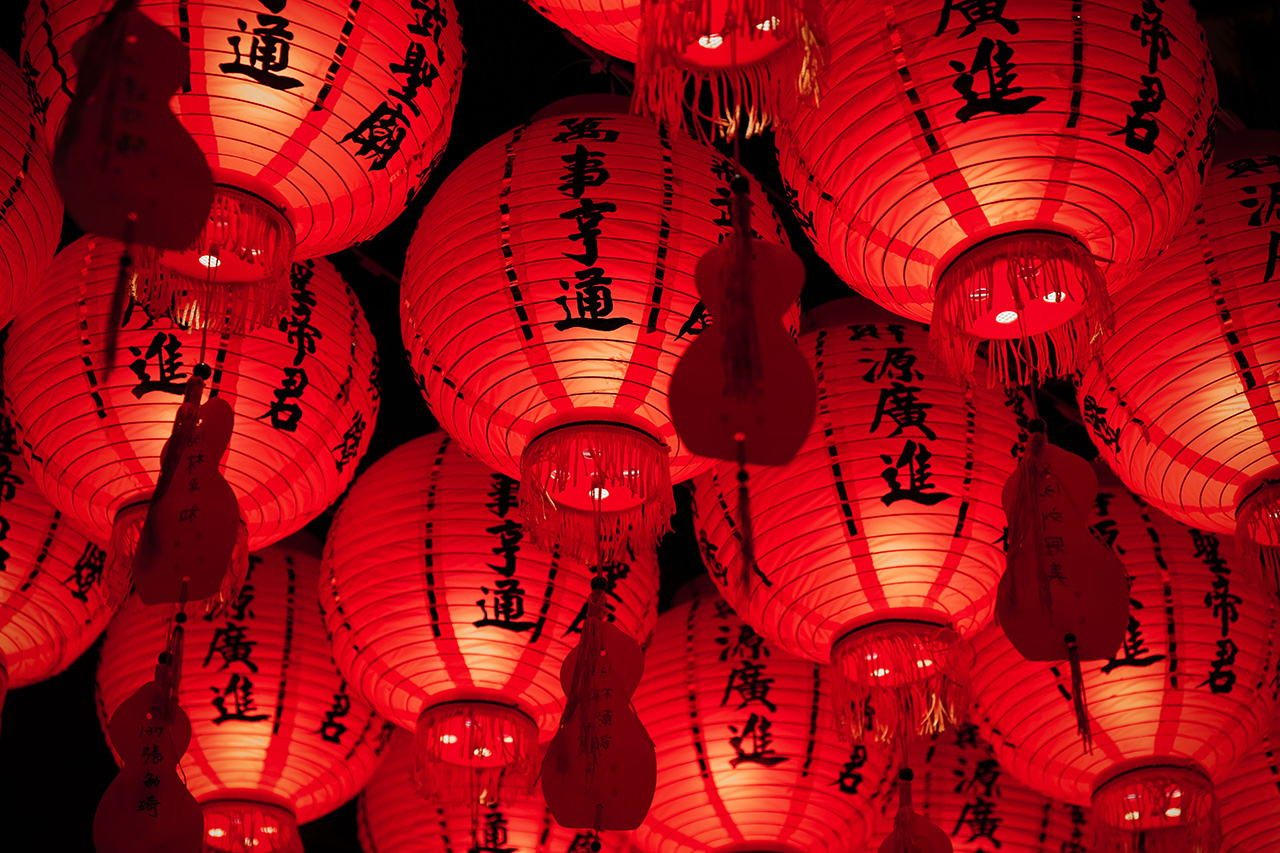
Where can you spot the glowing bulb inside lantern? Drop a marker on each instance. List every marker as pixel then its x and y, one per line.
pixel 1006 317
pixel 210 261
pixel 923 663
pixel 1132 815
pixel 1056 296
pixel 880 673
pixel 448 738
pixel 482 751
pixel 711 41
pixel 631 472
pixel 1173 812
pixel 979 293
pixel 768 25
pixel 598 493
pixel 217 832
pixel 269 830
pixel 508 739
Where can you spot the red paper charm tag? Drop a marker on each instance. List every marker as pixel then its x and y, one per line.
pixel 146 808
pixel 1064 595
pixel 124 164
pixel 913 833
pixel 193 520
pixel 600 770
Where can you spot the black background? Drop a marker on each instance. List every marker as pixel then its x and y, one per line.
pixel 54 762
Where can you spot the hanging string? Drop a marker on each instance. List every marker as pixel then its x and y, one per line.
pixel 123 276
pixel 168 671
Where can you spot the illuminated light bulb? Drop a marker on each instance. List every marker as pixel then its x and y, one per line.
pixel 979 293
pixel 482 751
pixel 1006 316
pixel 210 261
pixel 508 739
pixel 880 673
pixel 923 663
pixel 1174 811
pixel 631 472
pixel 269 830
pixel 711 41
pixel 598 493
pixel 217 832
pixel 448 738
pixel 1055 296
pixel 1132 815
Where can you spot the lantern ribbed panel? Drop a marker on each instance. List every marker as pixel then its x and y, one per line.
pixel 418 555
pixel 488 262
pixel 93 439
pixel 960 788
pixel 898 173
pixel 710 679
pixel 283 110
pixel 1182 399
pixel 610 25
pixel 836 545
pixel 1250 797
pixel 393 819
pixel 1188 683
pixel 32 221
pixel 51 601
pixel 272 720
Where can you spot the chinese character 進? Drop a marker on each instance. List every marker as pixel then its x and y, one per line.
pixel 1133 649
pixel 994 61
pixel 170 378
pixel 915 458
pixel 757 732
pixel 239 690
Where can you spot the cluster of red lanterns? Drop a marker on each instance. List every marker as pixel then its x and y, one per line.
pixel 1033 187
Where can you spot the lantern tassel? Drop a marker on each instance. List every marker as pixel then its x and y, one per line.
pixel 469 752
pixel 584 694
pixel 742 97
pixel 747 553
pixel 1157 809
pixel 1258 535
pixel 899 677
pixel 624 459
pixel 240 225
pixel 1077 693
pixel 241 826
pixel 1038 266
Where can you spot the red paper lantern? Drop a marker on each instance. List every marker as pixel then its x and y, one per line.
pixel 304 395
pixel 32 221
pixel 1250 796
pixel 51 601
pixel 1184 697
pixel 278 737
pixel 960 788
pixel 547 296
pixel 748 755
pixel 391 819
pixel 991 168
pixel 320 119
pixel 451 624
pixel 877 546
pixel 1180 398
pixel 744 56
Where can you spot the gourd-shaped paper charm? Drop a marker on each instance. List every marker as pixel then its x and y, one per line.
pixel 1064 595
pixel 913 833
pixel 124 164
pixel 600 769
pixel 146 808
pixel 743 391
pixel 193 521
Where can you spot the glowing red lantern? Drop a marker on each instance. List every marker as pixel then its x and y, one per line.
pixel 278 737
pixel 320 120
pixel 977 167
pixel 877 546
pixel 393 820
pixel 304 395
pixel 960 788
pixel 1183 698
pixel 547 296
pixel 748 755
pixel 452 625
pixel 1250 796
pixel 32 221
pixel 1179 400
pixel 745 56
pixel 51 601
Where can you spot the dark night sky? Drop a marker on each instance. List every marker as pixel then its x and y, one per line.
pixel 54 763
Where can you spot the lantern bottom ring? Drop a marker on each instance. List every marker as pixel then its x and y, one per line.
pixel 899 678
pixel 1156 805
pixel 598 491
pixel 249 826
pixel 468 751
pixel 1258 529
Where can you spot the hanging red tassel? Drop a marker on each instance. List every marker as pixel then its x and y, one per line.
pixel 1168 806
